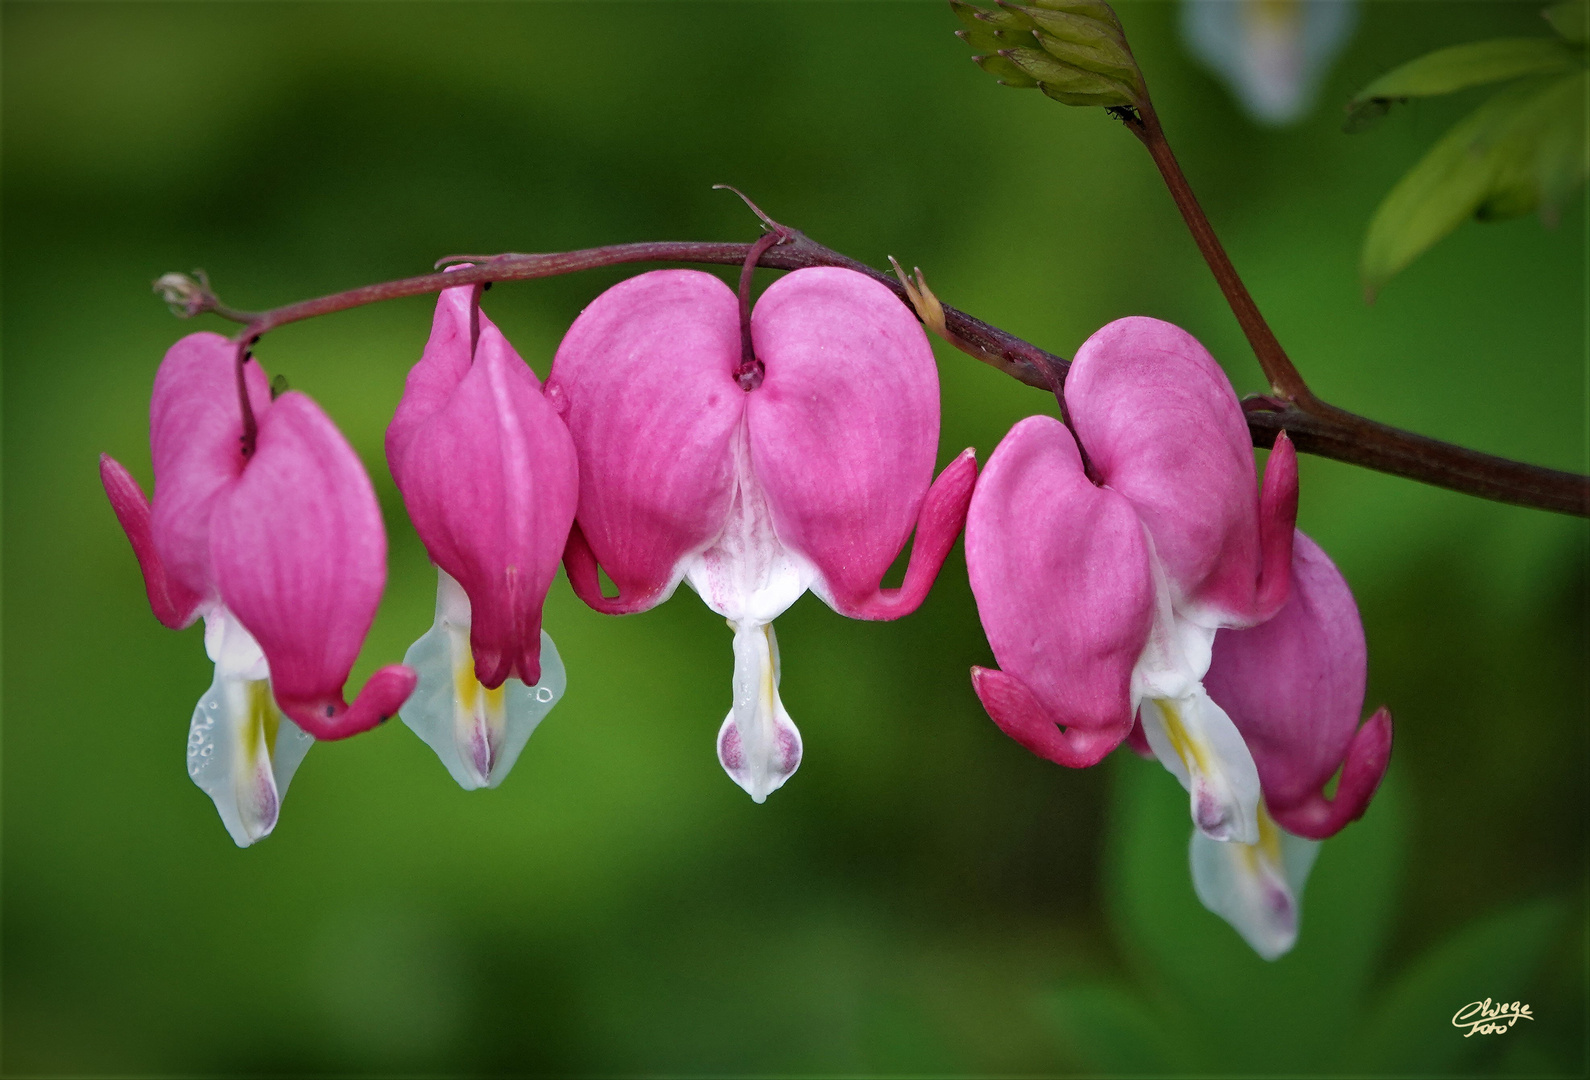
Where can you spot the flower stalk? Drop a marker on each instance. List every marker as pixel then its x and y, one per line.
pixel 1321 429
pixel 1285 380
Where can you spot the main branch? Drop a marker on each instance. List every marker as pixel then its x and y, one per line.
pixel 1323 429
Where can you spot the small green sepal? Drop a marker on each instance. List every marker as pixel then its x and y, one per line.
pixel 1007 73
pixel 1072 50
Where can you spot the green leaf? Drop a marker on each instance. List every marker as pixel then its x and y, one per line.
pixel 1571 20
pixel 1523 149
pixel 1457 68
pixel 1111 1030
pixel 1411 1031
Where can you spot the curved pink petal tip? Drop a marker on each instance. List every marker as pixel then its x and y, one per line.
pixel 1019 714
pixel 328 717
pixel 586 581
pixel 1317 817
pixel 174 604
pixel 942 518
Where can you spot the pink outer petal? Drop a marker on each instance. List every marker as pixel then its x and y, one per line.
pixel 1163 427
pixel 443 365
pixel 1061 574
pixel 174 604
pixel 488 474
pixel 940 522
pixel 1294 686
pixel 844 431
pixel 300 557
pixel 645 381
pixel 1019 714
pixel 1277 523
pixel 1316 817
pixel 195 437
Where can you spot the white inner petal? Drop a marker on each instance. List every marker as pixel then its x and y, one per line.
pixel 1257 888
pixel 1177 655
pixel 478 733
pixel 758 745
pixel 747 575
pixel 1191 735
pixel 242 751
pixel 750 578
pixel 1195 739
pixel 231 648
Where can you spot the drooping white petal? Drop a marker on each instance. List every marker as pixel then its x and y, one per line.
pixel 747 575
pixel 1257 888
pixel 1176 658
pixel 242 752
pixel 478 733
pixel 750 578
pixel 1191 735
pixel 1195 739
pixel 758 744
pixel 231 648
pixel 1274 54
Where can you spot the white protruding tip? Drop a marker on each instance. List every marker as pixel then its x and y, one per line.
pixel 758 744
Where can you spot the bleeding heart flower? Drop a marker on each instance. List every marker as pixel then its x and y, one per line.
pixel 487 471
pixel 1273 54
pixel 1294 687
pixel 1101 582
pixel 755 481
pixel 282 553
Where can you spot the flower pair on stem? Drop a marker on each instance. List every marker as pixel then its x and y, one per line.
pixel 1137 583
pixel 283 555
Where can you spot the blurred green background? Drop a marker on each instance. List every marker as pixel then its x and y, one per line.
pixel 925 896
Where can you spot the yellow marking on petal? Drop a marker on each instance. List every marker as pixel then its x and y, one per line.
pixel 1283 16
pixel 262 721
pixel 1268 849
pixel 466 688
pixel 769 691
pixel 1190 750
pixel 473 699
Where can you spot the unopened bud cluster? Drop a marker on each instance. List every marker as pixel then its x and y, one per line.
pixel 1072 50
